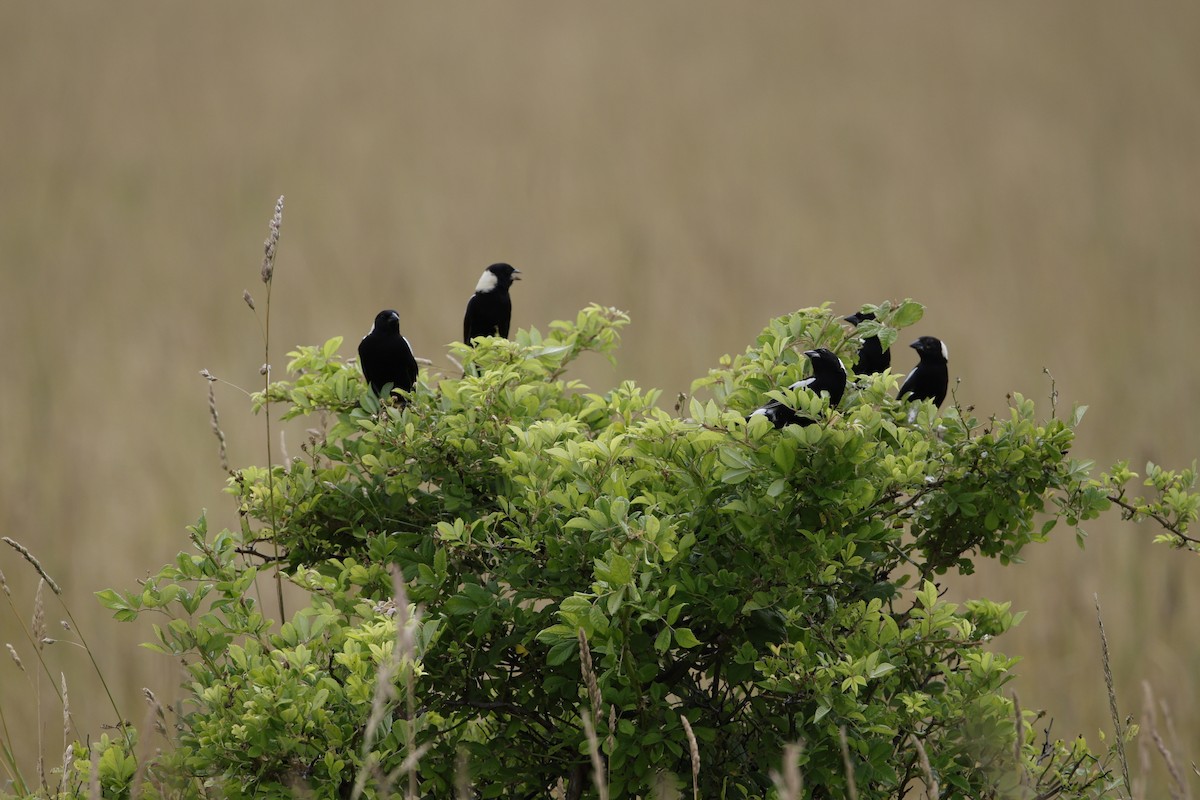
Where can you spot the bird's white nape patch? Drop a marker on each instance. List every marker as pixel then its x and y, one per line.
pixel 842 364
pixel 945 352
pixel 487 282
pixel 759 412
pixel 804 384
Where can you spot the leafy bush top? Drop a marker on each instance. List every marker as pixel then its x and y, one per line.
pixel 770 586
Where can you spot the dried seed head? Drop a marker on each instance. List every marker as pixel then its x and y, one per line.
pixel 12 651
pixel 65 625
pixel 216 427
pixel 4 584
pixel 38 624
pixel 268 266
pixel 265 369
pixel 249 300
pixel 28 556
pixel 589 676
pixel 208 376
pixel 66 699
pixel 694 748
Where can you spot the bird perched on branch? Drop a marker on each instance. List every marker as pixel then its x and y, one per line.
pixel 489 310
pixel 386 356
pixel 828 376
pixel 872 358
pixel 931 377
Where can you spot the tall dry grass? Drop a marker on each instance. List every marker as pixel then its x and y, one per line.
pixel 1027 171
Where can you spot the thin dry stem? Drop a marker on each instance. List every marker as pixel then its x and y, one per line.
pixel 268 272
pixel 1174 738
pixel 1149 724
pixel 589 730
pixel 695 751
pixel 847 765
pixel 1112 699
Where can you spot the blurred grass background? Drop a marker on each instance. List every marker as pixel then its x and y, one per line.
pixel 1028 171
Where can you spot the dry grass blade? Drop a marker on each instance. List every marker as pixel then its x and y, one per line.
pixel 407 767
pixel 1174 738
pixel 462 777
pixel 1023 776
pixel 594 751
pixel 1112 699
pixel 695 751
pixel 403 650
pixel 94 775
pixel 847 765
pixel 789 783
pixel 932 790
pixel 68 750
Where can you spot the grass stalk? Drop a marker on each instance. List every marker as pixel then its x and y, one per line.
pixel 57 590
pixel 1112 700
pixel 268 273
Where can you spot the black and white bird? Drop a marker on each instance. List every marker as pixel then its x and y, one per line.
pixel 386 356
pixel 931 377
pixel 828 376
pixel 872 358
pixel 489 311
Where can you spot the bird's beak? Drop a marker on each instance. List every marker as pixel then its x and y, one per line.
pixel 516 272
pixel 810 353
pixel 915 344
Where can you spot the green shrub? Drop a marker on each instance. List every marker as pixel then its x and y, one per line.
pixel 770 586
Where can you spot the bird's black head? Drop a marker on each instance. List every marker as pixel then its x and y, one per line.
pixel 859 316
pixel 497 276
pixel 388 321
pixel 825 361
pixel 931 349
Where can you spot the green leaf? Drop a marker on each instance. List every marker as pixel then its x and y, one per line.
pixel 685 638
pixel 909 313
